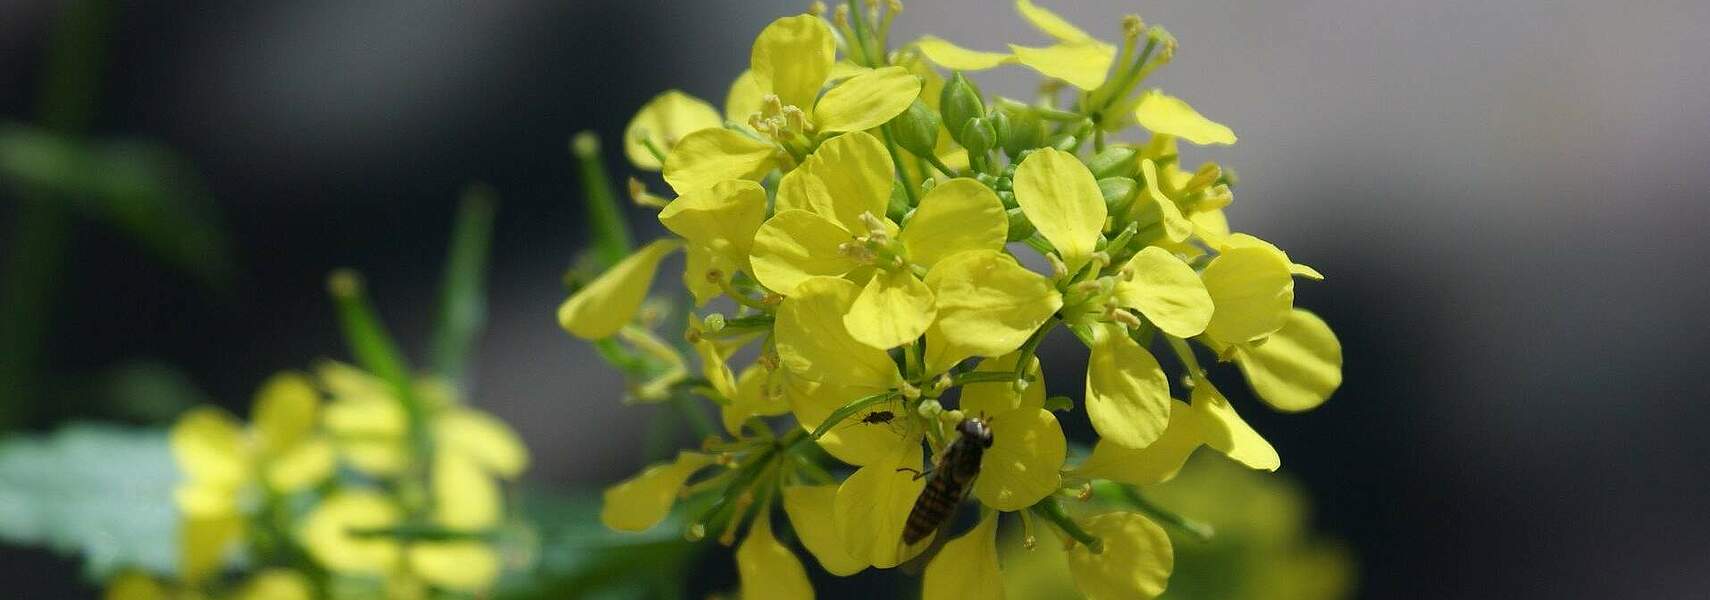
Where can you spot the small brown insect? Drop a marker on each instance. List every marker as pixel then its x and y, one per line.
pixel 878 417
pixel 949 481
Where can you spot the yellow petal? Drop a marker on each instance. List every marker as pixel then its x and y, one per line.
pixel 1176 227
pixel 210 448
pixel 715 369
pixel 1156 463
pixel 606 305
pixel 813 343
pixel 845 69
pixel 1049 23
pixel 956 216
pixel 1022 466
pixel 1135 564
pixel 872 507
pixel 967 567
pixel 1228 433
pixel 465 496
pixel 810 512
pixel 132 585
pixel 988 305
pixel 303 466
pixel 491 443
pixel 1058 194
pixel 643 501
pixel 999 397
pixel 754 397
pixel 1167 291
pixel 1300 270
pixel 745 98
pixel 848 175
pixel 792 57
pixel 1128 395
pixel 867 100
pixel 852 441
pixel 462 566
pixel 1083 64
pixel 768 570
pixel 795 245
pixel 1252 292
pixel 203 543
pixel 664 120
pixel 893 309
pixel 700 260
pixel 346 382
pixel 285 411
pixel 721 218
pixel 950 56
pixel 1296 368
pixel 1169 115
pixel 206 500
pixel 708 156
pixel 277 584
pixel 327 533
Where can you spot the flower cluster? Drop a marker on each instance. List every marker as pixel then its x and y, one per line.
pixel 338 488
pixel 886 246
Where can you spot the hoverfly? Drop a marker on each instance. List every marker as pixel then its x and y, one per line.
pixel 949 481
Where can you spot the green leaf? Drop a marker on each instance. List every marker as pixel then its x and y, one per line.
pixel 463 288
pixel 98 491
pixel 143 189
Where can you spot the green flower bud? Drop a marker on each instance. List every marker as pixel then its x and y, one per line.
pixel 1115 161
pixel 1019 226
pixel 898 205
pixel 1066 143
pixel 1008 198
pixel 978 136
pixel 916 129
pixel 959 104
pixel 1001 125
pixel 1026 131
pixel 1119 194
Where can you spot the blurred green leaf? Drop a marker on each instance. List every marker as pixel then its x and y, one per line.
pixel 142 189
pixel 463 288
pixel 98 491
pixel 147 391
pixel 578 558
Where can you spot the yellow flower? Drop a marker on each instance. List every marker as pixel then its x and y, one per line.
pixel 1135 561
pixel 1061 198
pixel 227 466
pixel 663 121
pixel 829 222
pixel 828 368
pixel 718 225
pixel 792 59
pixel 967 567
pixel 644 500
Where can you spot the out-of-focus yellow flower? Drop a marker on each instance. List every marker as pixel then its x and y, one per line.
pixel 230 469
pixel 643 501
pixel 769 570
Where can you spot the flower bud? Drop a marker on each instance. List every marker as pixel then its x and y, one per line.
pixel 1115 161
pixel 1007 197
pixel 898 206
pixel 978 136
pixel 1119 194
pixel 916 129
pixel 960 103
pixel 1019 226
pixel 1026 131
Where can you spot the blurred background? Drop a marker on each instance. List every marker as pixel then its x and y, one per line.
pixel 1507 199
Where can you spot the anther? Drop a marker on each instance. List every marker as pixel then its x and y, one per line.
pixel 1058 269
pixel 1132 26
pixel 816 8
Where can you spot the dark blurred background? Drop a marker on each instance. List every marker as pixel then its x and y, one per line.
pixel 1507 199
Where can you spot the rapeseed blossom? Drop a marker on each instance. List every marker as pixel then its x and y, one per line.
pixel 887 247
pixel 329 472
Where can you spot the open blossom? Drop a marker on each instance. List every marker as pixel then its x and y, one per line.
pixel 892 246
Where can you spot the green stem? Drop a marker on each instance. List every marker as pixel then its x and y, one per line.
pixel 374 349
pixel 909 187
pixel 973 377
pixel 1202 531
pixel 1052 511
pixel 463 301
pixel 1024 357
pixel 691 412
pixel 610 230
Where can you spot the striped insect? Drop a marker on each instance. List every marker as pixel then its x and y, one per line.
pixel 949 481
